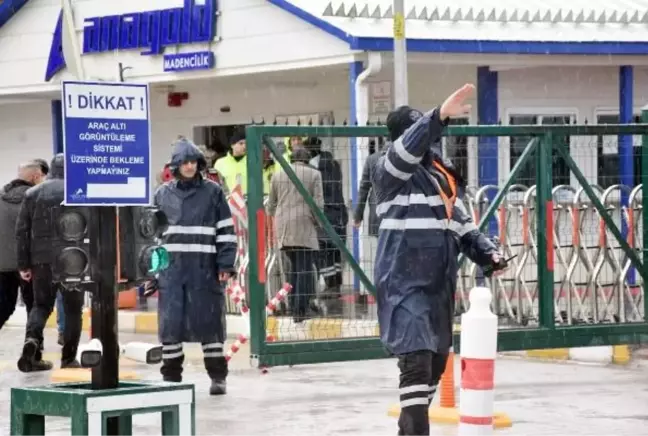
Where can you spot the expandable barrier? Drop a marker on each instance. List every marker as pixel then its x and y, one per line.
pixel 593 280
pixel 576 252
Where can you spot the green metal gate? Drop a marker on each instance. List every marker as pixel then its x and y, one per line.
pixel 544 147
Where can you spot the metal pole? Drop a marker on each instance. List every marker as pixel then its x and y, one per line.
pixel 400 55
pixel 103 252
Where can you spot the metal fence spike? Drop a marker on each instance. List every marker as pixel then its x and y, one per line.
pixel 569 18
pixel 492 16
pixel 412 14
pixel 469 16
pixel 591 17
pixel 353 12
pixel 446 15
pixel 602 18
pixel 424 15
pixel 376 13
pixel 364 13
pixel 458 15
pixel 328 12
pixel 624 18
pixel 389 13
pixel 513 17
pixel 340 11
pixel 547 17
pixel 644 17
pixel 434 16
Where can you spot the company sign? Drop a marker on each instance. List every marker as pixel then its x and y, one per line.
pixel 151 31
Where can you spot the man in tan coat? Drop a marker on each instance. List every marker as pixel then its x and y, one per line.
pixel 296 228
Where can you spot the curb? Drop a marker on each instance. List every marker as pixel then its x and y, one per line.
pixel 128 322
pixel 608 354
pixel 285 329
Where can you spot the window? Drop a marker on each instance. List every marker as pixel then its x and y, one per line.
pixel 527 175
pixel 607 154
pixel 455 148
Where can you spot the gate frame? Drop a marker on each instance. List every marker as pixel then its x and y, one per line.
pixel 546 335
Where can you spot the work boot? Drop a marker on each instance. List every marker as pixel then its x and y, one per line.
pixel 170 379
pixel 28 362
pixel 73 364
pixel 218 387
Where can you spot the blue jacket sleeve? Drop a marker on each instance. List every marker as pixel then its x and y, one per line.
pixel 405 153
pixel 472 242
pixel 225 236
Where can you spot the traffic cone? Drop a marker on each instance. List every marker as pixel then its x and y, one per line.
pixel 446 412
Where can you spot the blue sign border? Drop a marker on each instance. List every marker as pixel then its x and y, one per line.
pixel 149 190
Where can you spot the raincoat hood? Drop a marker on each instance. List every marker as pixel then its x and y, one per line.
pixel 183 151
pixel 56 167
pixel 14 191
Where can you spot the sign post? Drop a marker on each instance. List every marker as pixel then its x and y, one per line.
pixel 107 147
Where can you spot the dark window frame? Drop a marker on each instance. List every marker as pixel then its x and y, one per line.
pixel 517 144
pixel 607 165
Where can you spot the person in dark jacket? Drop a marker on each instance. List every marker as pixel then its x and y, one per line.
pixel 202 247
pixel 365 192
pixel 335 209
pixel 11 196
pixel 35 237
pixel 424 226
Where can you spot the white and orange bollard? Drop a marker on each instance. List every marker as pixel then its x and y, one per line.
pixel 478 352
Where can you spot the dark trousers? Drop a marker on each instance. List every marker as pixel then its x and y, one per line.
pixel 213 357
pixel 10 283
pixel 44 300
pixel 302 278
pixel 420 373
pixel 330 264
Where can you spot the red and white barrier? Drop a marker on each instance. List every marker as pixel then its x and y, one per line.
pixel 236 292
pixel 478 352
pixel 281 295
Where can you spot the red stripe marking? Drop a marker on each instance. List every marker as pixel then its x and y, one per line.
pixel 549 236
pixel 477 374
pixel 261 244
pixel 474 420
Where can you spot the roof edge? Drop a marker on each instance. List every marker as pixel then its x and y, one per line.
pixel 619 48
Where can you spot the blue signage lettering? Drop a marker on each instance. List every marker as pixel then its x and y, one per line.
pixel 200 60
pixel 152 31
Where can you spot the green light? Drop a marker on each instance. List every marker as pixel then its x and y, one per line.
pixel 159 260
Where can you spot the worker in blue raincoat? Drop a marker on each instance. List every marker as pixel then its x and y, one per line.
pixel 424 226
pixel 202 247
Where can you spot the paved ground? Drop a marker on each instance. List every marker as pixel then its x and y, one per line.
pixel 352 398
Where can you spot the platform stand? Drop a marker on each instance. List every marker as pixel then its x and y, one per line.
pixel 106 405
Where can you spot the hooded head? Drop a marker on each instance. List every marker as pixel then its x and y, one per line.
pixel 187 161
pixel 400 119
pixel 56 167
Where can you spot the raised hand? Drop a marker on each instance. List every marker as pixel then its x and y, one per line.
pixel 454 105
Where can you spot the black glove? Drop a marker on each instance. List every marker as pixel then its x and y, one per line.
pixel 150 288
pixel 495 266
pixel 501 264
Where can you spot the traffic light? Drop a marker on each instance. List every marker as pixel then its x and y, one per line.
pixel 71 244
pixel 140 253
